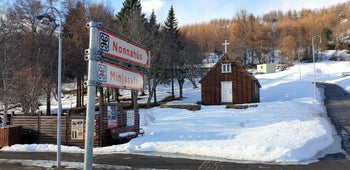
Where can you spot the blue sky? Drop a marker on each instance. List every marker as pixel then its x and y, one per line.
pixel 198 11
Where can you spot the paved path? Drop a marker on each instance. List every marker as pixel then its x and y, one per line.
pixel 337 103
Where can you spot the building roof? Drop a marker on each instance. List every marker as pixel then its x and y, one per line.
pixel 227 59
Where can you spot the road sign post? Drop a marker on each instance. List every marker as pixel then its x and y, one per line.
pixel 92 55
pixel 108 47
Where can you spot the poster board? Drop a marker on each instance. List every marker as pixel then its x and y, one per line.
pixel 112 114
pixel 77 131
pixel 130 118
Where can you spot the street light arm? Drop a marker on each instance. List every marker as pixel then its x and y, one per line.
pixel 46 19
pixel 54 9
pixel 313 39
pixel 45 16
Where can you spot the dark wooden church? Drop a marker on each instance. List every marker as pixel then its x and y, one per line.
pixel 229 83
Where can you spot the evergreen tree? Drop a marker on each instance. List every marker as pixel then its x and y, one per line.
pixel 326 43
pixel 326 35
pixel 152 26
pixel 153 39
pixel 131 21
pixel 76 41
pixel 128 6
pixel 171 24
pixel 174 46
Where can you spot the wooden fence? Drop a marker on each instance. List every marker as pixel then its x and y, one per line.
pixel 10 135
pixel 43 129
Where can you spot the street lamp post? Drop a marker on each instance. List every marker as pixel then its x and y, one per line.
pixel 47 19
pixel 313 59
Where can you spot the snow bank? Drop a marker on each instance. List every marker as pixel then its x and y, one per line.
pixel 287 127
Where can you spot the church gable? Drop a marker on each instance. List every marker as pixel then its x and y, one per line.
pixel 228 80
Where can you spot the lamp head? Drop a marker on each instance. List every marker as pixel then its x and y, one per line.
pixel 45 19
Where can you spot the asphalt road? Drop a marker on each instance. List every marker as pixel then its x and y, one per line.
pixel 132 161
pixel 337 102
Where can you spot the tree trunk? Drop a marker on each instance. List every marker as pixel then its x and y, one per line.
pixel 192 79
pixel 108 94
pixel 82 92
pixel 48 102
pixel 154 95
pixel 132 97
pixel 252 57
pixel 135 105
pixel 117 94
pixel 172 84
pixel 4 118
pixel 78 92
pixel 181 83
pixel 150 92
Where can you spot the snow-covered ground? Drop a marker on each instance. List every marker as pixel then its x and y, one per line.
pixel 289 126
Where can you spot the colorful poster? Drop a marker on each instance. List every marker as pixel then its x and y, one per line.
pixel 112 116
pixel 77 129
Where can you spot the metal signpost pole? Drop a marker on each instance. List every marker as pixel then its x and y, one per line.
pixel 91 92
pixel 106 45
pixel 59 88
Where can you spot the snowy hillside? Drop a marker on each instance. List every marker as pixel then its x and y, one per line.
pixel 288 126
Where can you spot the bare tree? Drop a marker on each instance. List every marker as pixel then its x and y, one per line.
pixel 100 13
pixel 9 56
pixel 289 49
pixel 37 50
pixel 27 10
pixel 18 31
pixel 28 87
pixel 239 31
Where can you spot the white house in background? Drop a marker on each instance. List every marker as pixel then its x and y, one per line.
pixel 266 68
pixel 211 58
